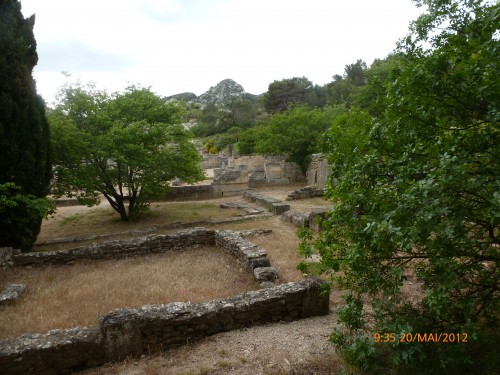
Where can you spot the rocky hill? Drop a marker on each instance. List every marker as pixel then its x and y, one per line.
pixel 221 95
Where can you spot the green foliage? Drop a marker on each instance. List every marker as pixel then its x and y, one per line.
pixel 127 147
pixel 416 194
pixel 343 88
pixel 17 213
pixel 372 96
pixel 214 119
pixel 24 131
pixel 296 133
pixel 282 94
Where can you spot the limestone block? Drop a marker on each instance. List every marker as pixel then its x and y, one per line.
pixel 11 293
pixel 315 216
pixel 279 208
pixel 265 273
pixel 259 263
pixel 266 285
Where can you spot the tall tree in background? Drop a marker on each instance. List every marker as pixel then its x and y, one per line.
pixel 282 94
pixel 341 90
pixel 25 167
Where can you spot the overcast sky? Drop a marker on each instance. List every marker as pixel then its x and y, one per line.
pixel 190 45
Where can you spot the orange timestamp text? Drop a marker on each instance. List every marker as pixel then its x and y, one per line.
pixel 438 337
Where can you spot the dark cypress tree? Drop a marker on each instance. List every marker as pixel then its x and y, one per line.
pixel 24 131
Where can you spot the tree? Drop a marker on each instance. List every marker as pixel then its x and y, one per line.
pixel 281 94
pixel 419 201
pixel 372 96
pixel 296 133
pixel 25 165
pixel 126 147
pixel 341 90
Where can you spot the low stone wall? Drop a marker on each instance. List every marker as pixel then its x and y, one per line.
pixel 297 218
pixel 133 332
pixel 248 254
pixel 136 331
pixel 179 193
pixel 57 352
pixel 152 244
pixel 305 193
pixel 277 207
pixel 306 220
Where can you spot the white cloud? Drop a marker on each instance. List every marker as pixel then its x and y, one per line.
pixel 190 45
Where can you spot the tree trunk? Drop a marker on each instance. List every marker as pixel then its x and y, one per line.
pixel 122 210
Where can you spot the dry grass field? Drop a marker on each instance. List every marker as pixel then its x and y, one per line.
pixel 78 221
pixel 76 294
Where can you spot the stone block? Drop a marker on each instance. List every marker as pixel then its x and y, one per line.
pixel 6 254
pixel 265 273
pixel 279 208
pixel 11 293
pixel 315 217
pixel 258 263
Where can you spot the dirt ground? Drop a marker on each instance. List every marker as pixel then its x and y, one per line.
pixel 299 347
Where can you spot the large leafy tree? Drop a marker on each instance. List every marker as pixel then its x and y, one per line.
pixel 126 146
pixel 282 94
pixel 343 87
pixel 413 235
pixel 25 166
pixel 296 133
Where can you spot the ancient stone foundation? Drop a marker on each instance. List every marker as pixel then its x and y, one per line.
pixel 133 332
pixel 152 244
pixel 136 331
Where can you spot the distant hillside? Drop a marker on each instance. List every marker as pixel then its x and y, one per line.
pixel 221 95
pixel 186 96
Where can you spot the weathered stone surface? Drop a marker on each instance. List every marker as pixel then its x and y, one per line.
pixel 121 248
pixel 135 331
pixel 265 201
pixel 189 192
pixel 57 352
pixel 266 285
pixel 279 208
pixel 258 262
pixel 317 173
pixel 151 328
pixel 6 254
pixel 305 193
pixel 315 217
pixel 297 218
pixel 265 273
pixel 11 293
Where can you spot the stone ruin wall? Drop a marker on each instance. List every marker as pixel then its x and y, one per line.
pixel 136 331
pixel 317 173
pixel 257 170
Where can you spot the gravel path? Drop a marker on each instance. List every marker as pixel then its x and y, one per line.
pixel 299 347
